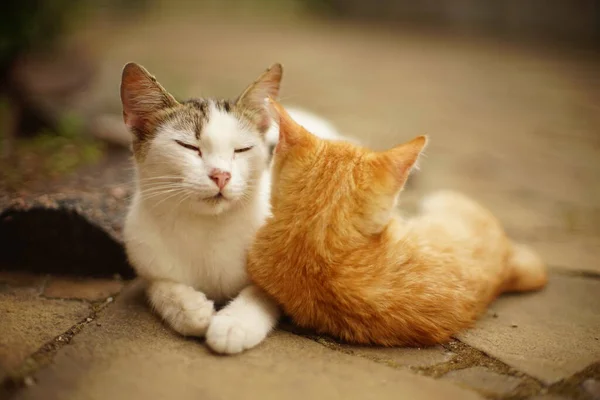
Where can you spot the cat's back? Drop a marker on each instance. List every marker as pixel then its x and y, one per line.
pixel 394 289
pixel 455 231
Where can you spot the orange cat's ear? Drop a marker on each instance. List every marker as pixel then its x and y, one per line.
pixel 141 96
pixel 404 157
pixel 252 101
pixel 290 132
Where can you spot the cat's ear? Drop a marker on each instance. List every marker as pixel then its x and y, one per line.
pixel 404 157
pixel 290 132
pixel 252 101
pixel 141 96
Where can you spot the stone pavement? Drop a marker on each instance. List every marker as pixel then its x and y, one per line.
pixel 515 127
pixel 69 339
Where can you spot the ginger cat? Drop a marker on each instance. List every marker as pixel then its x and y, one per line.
pixel 338 260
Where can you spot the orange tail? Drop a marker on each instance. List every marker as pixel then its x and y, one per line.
pixel 527 270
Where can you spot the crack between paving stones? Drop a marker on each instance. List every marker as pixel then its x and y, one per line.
pixel 572 386
pixel 43 357
pixel 561 270
pixel 467 357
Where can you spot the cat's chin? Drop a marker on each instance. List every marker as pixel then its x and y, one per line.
pixel 214 205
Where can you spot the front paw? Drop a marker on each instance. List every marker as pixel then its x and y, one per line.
pixel 229 334
pixel 193 314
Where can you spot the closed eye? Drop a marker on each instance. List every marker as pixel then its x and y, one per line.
pixel 243 150
pixel 188 146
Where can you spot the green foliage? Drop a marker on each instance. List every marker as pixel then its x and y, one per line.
pixel 70 125
pixel 30 24
pixel 50 154
pixel 25 24
pixel 4 110
pixel 60 154
pixel 325 7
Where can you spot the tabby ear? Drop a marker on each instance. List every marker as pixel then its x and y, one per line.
pixel 252 101
pixel 290 132
pixel 405 156
pixel 141 96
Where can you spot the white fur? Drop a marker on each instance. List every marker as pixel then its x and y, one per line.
pixel 310 122
pixel 193 251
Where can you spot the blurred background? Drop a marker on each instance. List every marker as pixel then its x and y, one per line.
pixel 508 90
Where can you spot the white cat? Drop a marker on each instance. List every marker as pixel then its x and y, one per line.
pixel 202 192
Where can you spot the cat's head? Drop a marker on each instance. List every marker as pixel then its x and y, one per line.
pixel 203 154
pixel 340 181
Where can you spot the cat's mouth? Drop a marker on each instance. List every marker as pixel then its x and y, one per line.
pixel 217 198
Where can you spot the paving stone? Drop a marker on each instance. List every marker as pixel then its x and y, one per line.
pixel 410 357
pixel 85 289
pixel 28 322
pixel 549 335
pixel 134 356
pixel 22 280
pixel 573 253
pixel 482 379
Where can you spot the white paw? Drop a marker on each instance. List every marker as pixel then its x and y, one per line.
pixel 229 334
pixel 191 312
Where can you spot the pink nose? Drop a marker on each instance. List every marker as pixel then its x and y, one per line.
pixel 220 178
